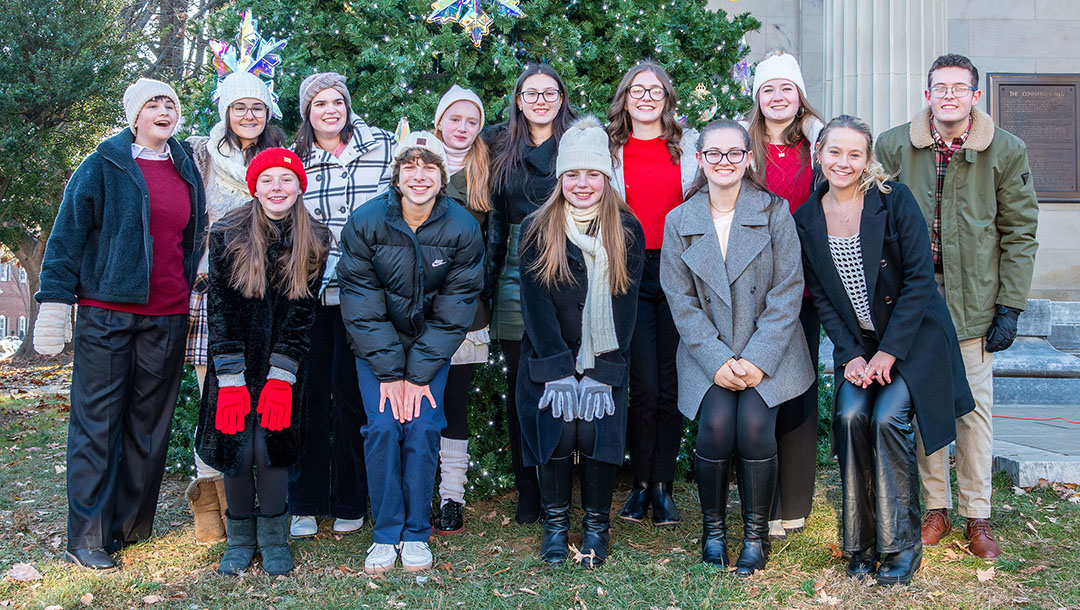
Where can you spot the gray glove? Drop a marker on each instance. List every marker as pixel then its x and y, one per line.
pixel 594 399
pixel 52 329
pixel 561 396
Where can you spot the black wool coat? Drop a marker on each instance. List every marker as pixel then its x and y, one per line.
pixel 552 338
pixel 249 336
pixel 910 318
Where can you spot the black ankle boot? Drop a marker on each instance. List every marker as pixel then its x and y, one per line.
pixel 862 564
pixel 637 505
pixel 899 568
pixel 597 484
pixel 556 478
pixel 757 484
pixel 664 512
pixel 712 480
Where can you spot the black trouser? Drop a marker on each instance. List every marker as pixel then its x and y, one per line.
pixel 456 402
pixel 272 482
pixel 124 384
pixel 523 475
pixel 329 477
pixel 735 421
pixel 879 474
pixel 797 434
pixel 655 426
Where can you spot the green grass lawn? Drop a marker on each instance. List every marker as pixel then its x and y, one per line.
pixel 494 564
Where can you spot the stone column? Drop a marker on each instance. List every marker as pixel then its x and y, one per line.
pixel 876 56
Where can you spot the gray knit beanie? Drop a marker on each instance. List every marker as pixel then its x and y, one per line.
pixel 319 82
pixel 584 146
pixel 238 86
pixel 144 90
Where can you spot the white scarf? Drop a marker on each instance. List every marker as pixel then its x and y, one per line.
pixel 597 321
pixel 455 158
pixel 229 166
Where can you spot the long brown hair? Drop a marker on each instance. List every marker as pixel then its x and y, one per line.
pixel 305 135
pixel 510 145
pixel 791 136
pixel 620 126
pixel 270 137
pixel 248 233
pixel 547 232
pixel 874 173
pixel 477 174
pixel 751 177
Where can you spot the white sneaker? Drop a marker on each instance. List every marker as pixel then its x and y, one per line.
pixel 347 526
pixel 380 559
pixel 416 556
pixel 303 527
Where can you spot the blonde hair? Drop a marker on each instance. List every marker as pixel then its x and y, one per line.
pixel 477 174
pixel 874 173
pixel 547 233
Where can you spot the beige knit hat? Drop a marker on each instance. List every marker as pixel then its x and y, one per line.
pixel 144 90
pixel 319 82
pixel 584 146
pixel 240 85
pixel 778 65
pixel 426 141
pixel 458 94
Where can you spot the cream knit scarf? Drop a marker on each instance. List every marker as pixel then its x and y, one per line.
pixel 597 322
pixel 230 168
pixel 455 158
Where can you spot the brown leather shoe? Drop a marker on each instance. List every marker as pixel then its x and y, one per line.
pixel 935 524
pixel 981 542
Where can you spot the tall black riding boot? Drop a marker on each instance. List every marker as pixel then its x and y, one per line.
pixel 597 484
pixel 757 484
pixel 712 480
pixel 556 478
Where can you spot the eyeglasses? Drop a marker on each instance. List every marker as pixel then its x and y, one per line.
pixel 959 91
pixel 734 156
pixel 239 110
pixel 529 96
pixel 655 93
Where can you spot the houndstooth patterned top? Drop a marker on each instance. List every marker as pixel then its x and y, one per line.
pixel 847 257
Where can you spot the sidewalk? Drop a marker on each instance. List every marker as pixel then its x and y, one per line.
pixel 1032 450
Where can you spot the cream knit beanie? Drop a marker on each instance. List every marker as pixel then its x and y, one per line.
pixel 426 141
pixel 584 146
pixel 457 94
pixel 144 90
pixel 240 85
pixel 780 65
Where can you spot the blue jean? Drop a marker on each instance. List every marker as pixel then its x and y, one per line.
pixel 401 461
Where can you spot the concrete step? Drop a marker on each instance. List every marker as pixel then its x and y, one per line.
pixel 1031 450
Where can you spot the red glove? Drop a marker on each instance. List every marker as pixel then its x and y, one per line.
pixel 275 405
pixel 233 405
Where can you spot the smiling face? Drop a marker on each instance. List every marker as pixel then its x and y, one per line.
pixel 778 100
pixel 646 110
pixel 540 112
pixel 156 122
pixel 724 173
pixel 459 125
pixel 328 114
pixel 952 108
pixel 843 156
pixel 250 124
pixel 276 189
pixel 583 188
pixel 418 182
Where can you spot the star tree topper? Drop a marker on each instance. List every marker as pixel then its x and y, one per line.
pixel 470 15
pixel 251 53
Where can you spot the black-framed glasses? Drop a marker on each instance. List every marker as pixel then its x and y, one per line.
pixel 734 156
pixel 959 91
pixel 239 110
pixel 529 96
pixel 655 93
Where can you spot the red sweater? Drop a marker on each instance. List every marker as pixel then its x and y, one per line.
pixel 786 175
pixel 653 185
pixel 170 211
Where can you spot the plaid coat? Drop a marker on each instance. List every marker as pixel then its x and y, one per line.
pixel 339 185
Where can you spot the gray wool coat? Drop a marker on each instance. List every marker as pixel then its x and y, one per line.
pixel 746 306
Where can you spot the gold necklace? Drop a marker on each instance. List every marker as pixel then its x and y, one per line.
pixel 839 207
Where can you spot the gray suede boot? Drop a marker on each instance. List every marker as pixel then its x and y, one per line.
pixel 274 543
pixel 241 533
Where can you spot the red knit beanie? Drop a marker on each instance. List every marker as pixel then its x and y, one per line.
pixel 275 157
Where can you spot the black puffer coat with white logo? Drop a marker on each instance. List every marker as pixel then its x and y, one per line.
pixel 408 298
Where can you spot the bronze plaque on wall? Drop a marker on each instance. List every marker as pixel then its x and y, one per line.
pixel 1044 111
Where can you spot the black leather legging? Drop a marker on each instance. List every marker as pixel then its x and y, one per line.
pixel 875 443
pixel 578 434
pixel 735 420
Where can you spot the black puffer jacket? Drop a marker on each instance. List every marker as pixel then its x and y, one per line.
pixel 407 298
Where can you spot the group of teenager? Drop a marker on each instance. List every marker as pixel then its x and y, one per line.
pixel 336 296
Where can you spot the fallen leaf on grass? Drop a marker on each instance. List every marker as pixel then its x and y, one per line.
pixel 985 575
pixel 371 585
pixel 527 590
pixel 836 552
pixel 86 599
pixel 502 595
pixel 152 599
pixel 23 572
pixel 60 468
pixel 506 521
pixel 827 599
pixel 1032 569
pixel 1019 491
pixel 951 555
pixel 819 585
pixel 601 592
pixel 54 608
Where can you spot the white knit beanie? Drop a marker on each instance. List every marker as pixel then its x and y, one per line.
pixel 240 85
pixel 426 141
pixel 584 146
pixel 780 65
pixel 457 94
pixel 144 90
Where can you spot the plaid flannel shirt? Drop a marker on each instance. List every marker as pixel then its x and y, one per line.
pixel 943 152
pixel 339 185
